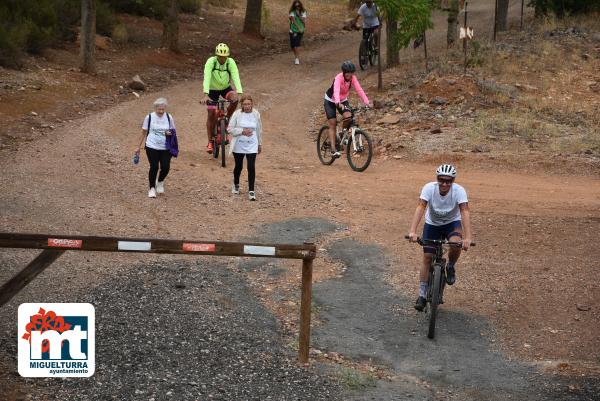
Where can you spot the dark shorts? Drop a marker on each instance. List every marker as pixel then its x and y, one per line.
pixel 214 95
pixel 368 31
pixel 330 108
pixel 296 39
pixel 438 232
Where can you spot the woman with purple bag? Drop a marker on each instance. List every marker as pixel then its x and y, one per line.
pixel 160 139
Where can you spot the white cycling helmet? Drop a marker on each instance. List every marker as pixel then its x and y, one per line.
pixel 446 169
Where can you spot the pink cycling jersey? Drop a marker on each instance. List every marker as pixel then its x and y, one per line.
pixel 341 89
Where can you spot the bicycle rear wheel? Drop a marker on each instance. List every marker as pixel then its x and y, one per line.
pixel 223 138
pixel 363 55
pixel 324 148
pixel 435 298
pixel 360 152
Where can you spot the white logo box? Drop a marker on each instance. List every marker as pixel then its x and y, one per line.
pixel 78 362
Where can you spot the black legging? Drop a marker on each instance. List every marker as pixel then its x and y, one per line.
pixel 154 158
pixel 239 164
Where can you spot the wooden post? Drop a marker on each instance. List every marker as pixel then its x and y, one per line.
pixel 25 276
pixel 465 40
pixel 495 18
pixel 305 306
pixel 522 10
pixel 425 50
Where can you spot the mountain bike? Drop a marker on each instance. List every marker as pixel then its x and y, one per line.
pixel 367 51
pixel 437 276
pixel 357 143
pixel 219 135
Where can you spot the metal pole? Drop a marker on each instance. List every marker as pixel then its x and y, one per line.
pixel 465 39
pixel 25 276
pixel 305 306
pixel 495 16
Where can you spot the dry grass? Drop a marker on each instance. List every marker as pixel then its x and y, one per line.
pixel 558 109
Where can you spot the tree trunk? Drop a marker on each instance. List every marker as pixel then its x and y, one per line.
pixel 392 51
pixel 88 36
pixel 252 21
pixel 451 35
pixel 502 16
pixel 170 37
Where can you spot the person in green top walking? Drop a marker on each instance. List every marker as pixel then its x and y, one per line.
pixel 219 71
pixel 297 20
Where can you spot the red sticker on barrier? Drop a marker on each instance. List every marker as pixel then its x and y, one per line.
pixel 189 247
pixel 65 243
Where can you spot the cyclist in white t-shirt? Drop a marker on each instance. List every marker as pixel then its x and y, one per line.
pixel 446 209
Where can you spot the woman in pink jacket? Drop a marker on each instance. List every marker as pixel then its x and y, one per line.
pixel 336 98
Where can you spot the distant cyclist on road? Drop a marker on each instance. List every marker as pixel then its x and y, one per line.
pixel 219 71
pixel 336 98
pixel 447 216
pixel 368 11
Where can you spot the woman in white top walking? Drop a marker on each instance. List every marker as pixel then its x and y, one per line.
pixel 155 129
pixel 245 127
pixel 446 209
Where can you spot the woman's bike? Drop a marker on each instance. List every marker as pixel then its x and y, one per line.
pixel 367 51
pixel 354 141
pixel 437 276
pixel 219 135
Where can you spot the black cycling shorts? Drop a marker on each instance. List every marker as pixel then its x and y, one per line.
pixel 367 31
pixel 295 39
pixel 214 94
pixel 330 108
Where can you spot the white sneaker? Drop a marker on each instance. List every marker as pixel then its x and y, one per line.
pixel 160 187
pixel 297 61
pixel 235 189
pixel 152 193
pixel 251 196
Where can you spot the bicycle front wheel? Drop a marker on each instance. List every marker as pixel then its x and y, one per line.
pixel 363 55
pixel 360 151
pixel 373 53
pixel 324 148
pixel 215 142
pixel 223 139
pixel 436 293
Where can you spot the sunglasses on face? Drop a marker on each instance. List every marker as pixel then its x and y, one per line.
pixel 445 181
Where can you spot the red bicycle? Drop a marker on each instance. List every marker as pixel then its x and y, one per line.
pixel 219 137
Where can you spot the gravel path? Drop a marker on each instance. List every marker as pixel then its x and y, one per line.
pixel 179 331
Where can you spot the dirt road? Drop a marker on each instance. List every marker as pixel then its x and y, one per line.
pixel 520 285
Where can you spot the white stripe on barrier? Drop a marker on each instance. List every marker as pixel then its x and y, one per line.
pixel 134 246
pixel 259 250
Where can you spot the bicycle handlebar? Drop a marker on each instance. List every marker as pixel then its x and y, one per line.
pixel 213 102
pixel 422 242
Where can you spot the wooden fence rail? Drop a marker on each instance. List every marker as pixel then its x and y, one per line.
pixel 55 245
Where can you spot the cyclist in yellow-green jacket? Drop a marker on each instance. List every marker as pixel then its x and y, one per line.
pixel 219 71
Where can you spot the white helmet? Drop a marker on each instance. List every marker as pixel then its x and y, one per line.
pixel 446 169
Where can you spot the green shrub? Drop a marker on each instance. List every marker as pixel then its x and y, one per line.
pixel 119 34
pixel 105 19
pixel 189 6
pixel 564 7
pixel 149 8
pixel 12 45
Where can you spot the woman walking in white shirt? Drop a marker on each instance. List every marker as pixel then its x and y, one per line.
pixel 245 127
pixel 155 129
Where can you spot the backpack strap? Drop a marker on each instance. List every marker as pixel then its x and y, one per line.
pixel 169 119
pixel 215 68
pixel 149 119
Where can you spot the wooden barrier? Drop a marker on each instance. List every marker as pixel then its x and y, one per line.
pixel 55 245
